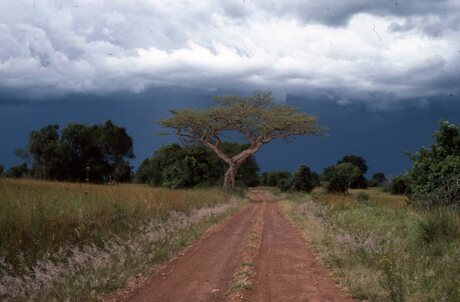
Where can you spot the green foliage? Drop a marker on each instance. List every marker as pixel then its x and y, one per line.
pixel 273 178
pixel 400 185
pixel 283 185
pixel 304 179
pixel 436 169
pixel 339 178
pixel 174 166
pixel 359 182
pixel 99 153
pixel 18 171
pixel 378 179
pixel 255 117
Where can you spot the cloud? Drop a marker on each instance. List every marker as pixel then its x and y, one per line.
pixel 370 51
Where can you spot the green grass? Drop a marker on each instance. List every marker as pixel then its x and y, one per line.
pixel 378 247
pixel 64 240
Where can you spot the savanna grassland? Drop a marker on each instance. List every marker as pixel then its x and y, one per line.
pixel 69 241
pixel 380 248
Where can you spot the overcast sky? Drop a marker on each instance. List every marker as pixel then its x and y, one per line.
pixel 382 52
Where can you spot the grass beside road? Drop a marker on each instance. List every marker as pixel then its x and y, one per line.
pixel 74 241
pixel 379 248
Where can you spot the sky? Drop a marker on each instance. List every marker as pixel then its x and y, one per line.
pixel 380 74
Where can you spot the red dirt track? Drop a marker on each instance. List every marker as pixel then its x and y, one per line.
pixel 285 268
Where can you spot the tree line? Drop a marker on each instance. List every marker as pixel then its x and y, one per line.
pixel 78 153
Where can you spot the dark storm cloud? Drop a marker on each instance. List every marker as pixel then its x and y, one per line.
pixel 338 13
pixel 366 51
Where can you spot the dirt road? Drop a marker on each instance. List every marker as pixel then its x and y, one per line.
pixel 285 268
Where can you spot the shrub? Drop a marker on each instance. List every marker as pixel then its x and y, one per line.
pixel 362 197
pixel 400 185
pixel 2 168
pixel 283 185
pixel 372 183
pixel 18 171
pixel 442 187
pixel 303 180
pixel 339 178
pixel 359 181
pixel 436 169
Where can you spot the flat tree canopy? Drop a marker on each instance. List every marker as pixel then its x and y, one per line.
pixel 257 118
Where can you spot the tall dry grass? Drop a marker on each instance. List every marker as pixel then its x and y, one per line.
pixel 56 237
pixel 39 217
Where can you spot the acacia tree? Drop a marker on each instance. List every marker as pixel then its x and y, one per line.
pixel 256 118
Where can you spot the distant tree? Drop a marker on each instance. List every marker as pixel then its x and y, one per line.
pixel 100 153
pixel 378 179
pixel 303 179
pixel 339 178
pixel 144 172
pixel 18 171
pixel 116 148
pixel 2 168
pixel 44 146
pixel 284 185
pixel 274 177
pixel 359 181
pixel 263 179
pixel 257 118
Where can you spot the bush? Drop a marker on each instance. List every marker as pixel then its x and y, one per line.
pixel 436 169
pixel 18 171
pixel 359 181
pixel 440 225
pixel 283 185
pixel 400 185
pixel 362 197
pixel 442 187
pixel 2 168
pixel 373 183
pixel 304 179
pixel 339 178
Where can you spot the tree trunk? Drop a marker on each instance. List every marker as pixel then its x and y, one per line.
pixel 229 178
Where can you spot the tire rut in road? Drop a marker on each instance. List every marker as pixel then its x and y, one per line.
pixel 286 268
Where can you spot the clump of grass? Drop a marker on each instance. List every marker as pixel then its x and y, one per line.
pixel 375 250
pixel 438 225
pixel 362 197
